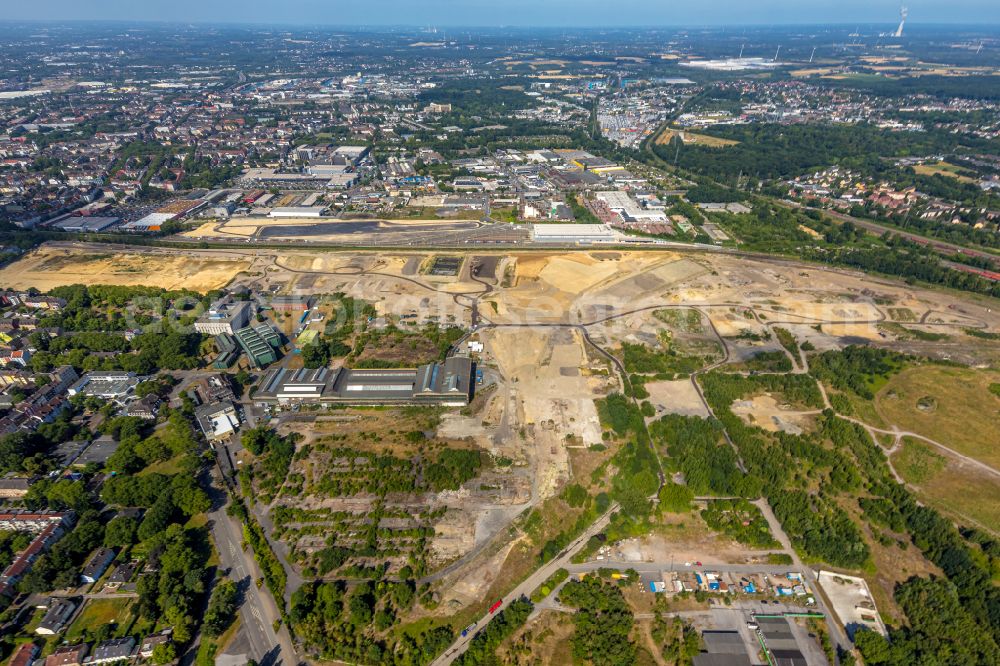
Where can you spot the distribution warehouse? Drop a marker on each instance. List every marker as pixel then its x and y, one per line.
pixel 443 383
pixel 573 233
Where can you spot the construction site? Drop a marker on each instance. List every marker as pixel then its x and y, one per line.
pixel 469 490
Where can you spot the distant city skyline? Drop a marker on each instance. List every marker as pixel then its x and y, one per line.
pixel 523 13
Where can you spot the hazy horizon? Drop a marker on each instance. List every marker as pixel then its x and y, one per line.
pixel 515 13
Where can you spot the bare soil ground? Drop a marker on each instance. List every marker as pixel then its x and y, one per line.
pixel 684 538
pixel 541 415
pixel 698 139
pixel 49 267
pixel 769 413
pixel 547 402
pixel 676 397
pixel 245 227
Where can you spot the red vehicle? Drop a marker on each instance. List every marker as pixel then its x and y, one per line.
pixel 495 606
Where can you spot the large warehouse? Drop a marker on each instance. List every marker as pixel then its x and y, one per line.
pixel 629 208
pixel 298 211
pixel 86 224
pixel 441 383
pixel 573 233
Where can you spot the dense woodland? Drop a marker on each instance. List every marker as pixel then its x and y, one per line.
pixel 348 624
pixel 768 151
pixel 603 622
pixel 808 480
pixel 776 229
pixel 96 319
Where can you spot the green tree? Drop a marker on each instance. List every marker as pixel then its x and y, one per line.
pixel 603 623
pixel 675 498
pixel 164 653
pixel 633 502
pixel 221 608
pixel 120 532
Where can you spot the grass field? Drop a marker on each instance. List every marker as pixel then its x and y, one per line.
pixel 430 213
pixel 946 483
pixel 952 406
pixel 944 169
pixel 917 462
pixel 694 138
pixel 168 467
pixel 98 612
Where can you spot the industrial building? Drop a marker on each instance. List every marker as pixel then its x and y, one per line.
pixel 341 181
pixel 330 167
pixel 86 224
pixel 217 419
pixel 298 211
pixel 734 64
pixel 441 383
pixel 224 316
pixel 594 164
pixel 311 179
pixel 152 222
pixel 228 350
pixel 573 233
pixel 260 343
pixel 630 210
pixel 353 153
pixel 291 303
pixel 780 641
pixel 270 177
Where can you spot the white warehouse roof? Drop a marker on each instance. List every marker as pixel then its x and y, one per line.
pixel 629 208
pixel 573 232
pixel 298 211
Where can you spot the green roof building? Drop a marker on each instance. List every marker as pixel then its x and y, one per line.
pixel 228 350
pixel 260 344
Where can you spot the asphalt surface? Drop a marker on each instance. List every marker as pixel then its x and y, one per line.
pixel 258 610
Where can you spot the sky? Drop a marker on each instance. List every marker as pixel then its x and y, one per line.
pixel 589 13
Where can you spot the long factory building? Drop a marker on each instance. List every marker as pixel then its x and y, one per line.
pixel 446 383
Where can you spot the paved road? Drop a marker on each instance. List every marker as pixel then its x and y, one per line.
pixel 837 632
pixel 258 610
pixel 528 585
